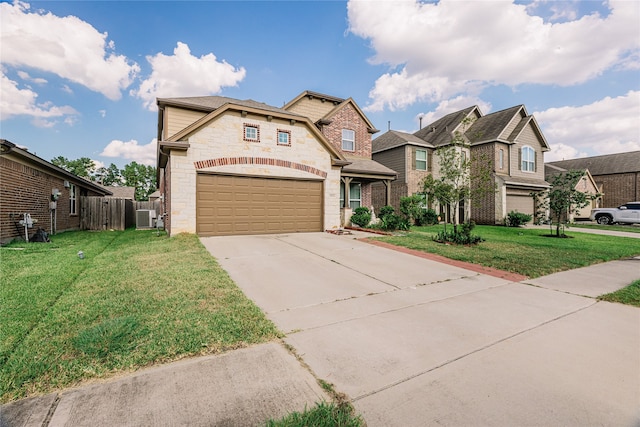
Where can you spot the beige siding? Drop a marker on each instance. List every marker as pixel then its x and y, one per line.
pixel 394 159
pixel 527 138
pixel 314 108
pixel 178 119
pixel 511 126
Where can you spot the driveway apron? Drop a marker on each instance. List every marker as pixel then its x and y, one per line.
pixel 416 342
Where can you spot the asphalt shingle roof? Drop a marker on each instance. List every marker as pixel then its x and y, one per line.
pixel 604 165
pixel 360 165
pixel 393 138
pixel 211 103
pixel 489 127
pixel 438 133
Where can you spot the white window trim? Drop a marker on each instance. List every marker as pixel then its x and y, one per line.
pixel 352 141
pixel 73 200
pixel 528 165
pixel 284 132
pixel 421 160
pixel 246 137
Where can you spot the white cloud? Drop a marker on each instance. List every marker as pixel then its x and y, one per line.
pixel 67 89
pixel 65 46
pixel 607 126
pixel 440 50
pixel 16 101
pixel 183 74
pixel 130 150
pixel 103 113
pixel 26 77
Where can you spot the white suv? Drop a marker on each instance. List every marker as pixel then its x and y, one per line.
pixel 628 213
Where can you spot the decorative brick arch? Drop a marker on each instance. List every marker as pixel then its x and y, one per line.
pixel 225 161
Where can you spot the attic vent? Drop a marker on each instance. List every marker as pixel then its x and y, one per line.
pixel 145 218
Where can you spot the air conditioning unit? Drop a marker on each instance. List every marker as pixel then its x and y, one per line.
pixel 145 218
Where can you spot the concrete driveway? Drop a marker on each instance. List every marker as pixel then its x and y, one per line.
pixel 415 342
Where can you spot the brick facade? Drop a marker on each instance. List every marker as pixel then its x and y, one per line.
pixel 348 118
pixel 27 188
pixel 618 189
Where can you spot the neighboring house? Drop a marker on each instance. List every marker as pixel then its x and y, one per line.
pixel 121 192
pixel 28 185
pixel 509 141
pixel 586 184
pixel 228 166
pixel 617 176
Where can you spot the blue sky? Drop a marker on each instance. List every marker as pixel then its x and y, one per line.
pixel 79 79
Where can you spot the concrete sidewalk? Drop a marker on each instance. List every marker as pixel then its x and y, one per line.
pixel 244 387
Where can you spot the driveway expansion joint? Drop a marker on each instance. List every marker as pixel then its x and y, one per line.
pixel 478 350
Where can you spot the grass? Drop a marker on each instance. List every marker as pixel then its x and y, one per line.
pixel 135 300
pixel 629 295
pixel 628 228
pixel 521 250
pixel 322 415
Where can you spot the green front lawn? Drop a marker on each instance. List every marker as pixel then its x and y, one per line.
pixel 629 295
pixel 135 299
pixel 521 250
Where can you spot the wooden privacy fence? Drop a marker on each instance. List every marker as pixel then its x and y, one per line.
pixel 111 213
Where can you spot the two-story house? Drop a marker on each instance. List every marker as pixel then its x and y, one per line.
pixel 412 155
pixel 349 131
pixel 229 166
pixel 509 142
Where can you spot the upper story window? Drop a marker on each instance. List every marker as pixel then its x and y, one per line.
pixel 348 140
pixel 284 137
pixel 251 133
pixel 501 159
pixel 72 199
pixel 528 157
pixel 421 160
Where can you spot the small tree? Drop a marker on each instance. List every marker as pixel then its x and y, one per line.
pixel 457 173
pixel 561 200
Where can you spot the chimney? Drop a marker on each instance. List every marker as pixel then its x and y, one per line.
pixel 420 118
pixel 388 125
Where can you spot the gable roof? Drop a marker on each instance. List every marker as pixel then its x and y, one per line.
pixel 607 164
pixel 211 103
pixel 311 95
pixel 489 127
pixel 339 103
pixel 9 148
pixel 393 139
pixel 440 132
pixel 121 191
pixel 224 104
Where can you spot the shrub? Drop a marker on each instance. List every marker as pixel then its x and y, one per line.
pixel 361 216
pixel 411 207
pixel 390 221
pixel 516 219
pixel 428 217
pixel 462 237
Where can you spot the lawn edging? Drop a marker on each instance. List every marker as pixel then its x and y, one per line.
pixel 489 271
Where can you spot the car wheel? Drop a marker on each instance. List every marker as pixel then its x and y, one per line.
pixel 604 220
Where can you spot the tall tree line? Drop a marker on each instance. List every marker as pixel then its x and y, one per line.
pixel 141 177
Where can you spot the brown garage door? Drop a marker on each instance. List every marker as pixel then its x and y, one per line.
pixel 227 205
pixel 520 203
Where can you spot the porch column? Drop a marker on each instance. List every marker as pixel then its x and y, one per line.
pixel 347 191
pixel 387 184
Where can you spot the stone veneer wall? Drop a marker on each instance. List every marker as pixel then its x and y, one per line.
pixel 224 138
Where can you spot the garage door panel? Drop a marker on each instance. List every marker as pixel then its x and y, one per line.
pixel 228 204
